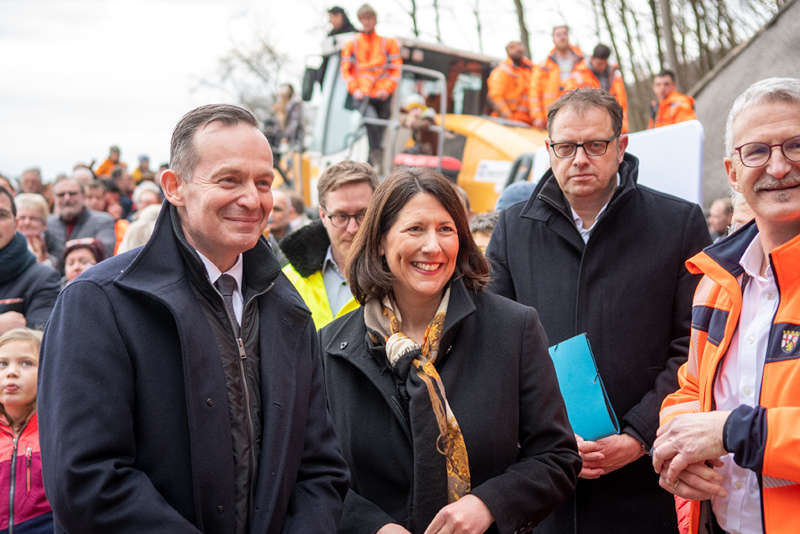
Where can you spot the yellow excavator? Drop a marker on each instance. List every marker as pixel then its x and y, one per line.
pixel 475 150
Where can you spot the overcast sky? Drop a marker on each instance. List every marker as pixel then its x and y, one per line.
pixel 80 75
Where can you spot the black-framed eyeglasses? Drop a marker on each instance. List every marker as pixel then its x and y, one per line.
pixel 341 220
pixel 63 194
pixel 592 147
pixel 758 154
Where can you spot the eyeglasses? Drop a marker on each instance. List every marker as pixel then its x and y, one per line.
pixel 758 154
pixel 341 220
pixel 593 147
pixel 62 194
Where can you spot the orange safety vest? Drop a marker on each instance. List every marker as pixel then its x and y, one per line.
pixel 547 86
pixel 675 108
pixel 371 63
pixel 715 318
pixel 583 78
pixel 509 90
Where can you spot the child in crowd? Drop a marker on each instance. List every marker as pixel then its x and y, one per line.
pixel 26 511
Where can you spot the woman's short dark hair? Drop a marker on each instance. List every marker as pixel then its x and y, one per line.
pixel 368 272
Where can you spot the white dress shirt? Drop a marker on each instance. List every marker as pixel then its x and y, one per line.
pixel 236 272
pixel 586 232
pixel 739 382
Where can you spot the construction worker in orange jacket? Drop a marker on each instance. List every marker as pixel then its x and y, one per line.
pixel 551 75
pixel 731 433
pixel 672 107
pixel 597 73
pixel 509 85
pixel 371 68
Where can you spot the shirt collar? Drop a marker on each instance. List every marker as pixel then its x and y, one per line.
pixel 752 259
pixel 329 261
pixel 214 273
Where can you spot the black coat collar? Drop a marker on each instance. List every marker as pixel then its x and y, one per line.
pixel 306 247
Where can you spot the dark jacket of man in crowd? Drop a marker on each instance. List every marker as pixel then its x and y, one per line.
pixel 26 287
pixel 154 453
pixel 97 224
pixel 629 290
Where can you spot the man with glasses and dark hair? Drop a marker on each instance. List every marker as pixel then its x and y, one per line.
pixel 737 406
pixel 595 252
pixel 73 219
pixel 317 252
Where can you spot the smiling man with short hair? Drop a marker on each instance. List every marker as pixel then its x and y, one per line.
pixel 737 406
pixel 193 365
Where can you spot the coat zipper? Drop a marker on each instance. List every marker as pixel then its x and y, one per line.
pixel 11 487
pixel 14 478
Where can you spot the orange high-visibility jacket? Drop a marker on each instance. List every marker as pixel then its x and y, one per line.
pixel 547 87
pixel 583 78
pixel 675 108
pixel 371 63
pixel 765 438
pixel 509 90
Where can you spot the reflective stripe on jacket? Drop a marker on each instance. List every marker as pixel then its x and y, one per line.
pixel 547 86
pixel 312 289
pixel 675 108
pixel 509 90
pixel 583 78
pixel 773 432
pixel 371 63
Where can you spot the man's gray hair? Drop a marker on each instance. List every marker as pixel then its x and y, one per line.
pixel 767 90
pixel 182 155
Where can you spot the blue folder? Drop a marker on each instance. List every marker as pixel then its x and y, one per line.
pixel 588 408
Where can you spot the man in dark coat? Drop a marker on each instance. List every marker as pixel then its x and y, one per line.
pixel 594 252
pixel 28 289
pixel 180 387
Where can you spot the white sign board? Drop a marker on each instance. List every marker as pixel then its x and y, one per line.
pixel 670 159
pixel 493 171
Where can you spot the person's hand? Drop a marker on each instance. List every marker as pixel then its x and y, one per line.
pixel 698 482
pixel 607 454
pixel 36 244
pixel 468 515
pixel 381 95
pixel 358 94
pixel 539 123
pixel 392 528
pixel 687 439
pixel 10 320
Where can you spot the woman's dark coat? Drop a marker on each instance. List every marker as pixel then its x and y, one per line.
pixel 134 417
pixel 629 290
pixel 502 389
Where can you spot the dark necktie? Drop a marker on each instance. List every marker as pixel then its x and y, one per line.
pixel 226 285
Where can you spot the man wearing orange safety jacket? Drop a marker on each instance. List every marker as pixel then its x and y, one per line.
pixel 509 85
pixel 730 436
pixel 597 73
pixel 672 107
pixel 371 68
pixel 549 78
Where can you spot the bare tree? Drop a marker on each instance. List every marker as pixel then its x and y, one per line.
pixel 476 13
pixel 251 76
pixel 436 18
pixel 411 11
pixel 524 37
pixel 666 17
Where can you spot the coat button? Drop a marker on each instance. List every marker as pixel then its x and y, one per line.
pixel 342 345
pixel 210 402
pixel 220 509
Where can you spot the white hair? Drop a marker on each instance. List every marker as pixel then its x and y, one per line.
pixel 766 90
pixel 139 231
pixel 145 185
